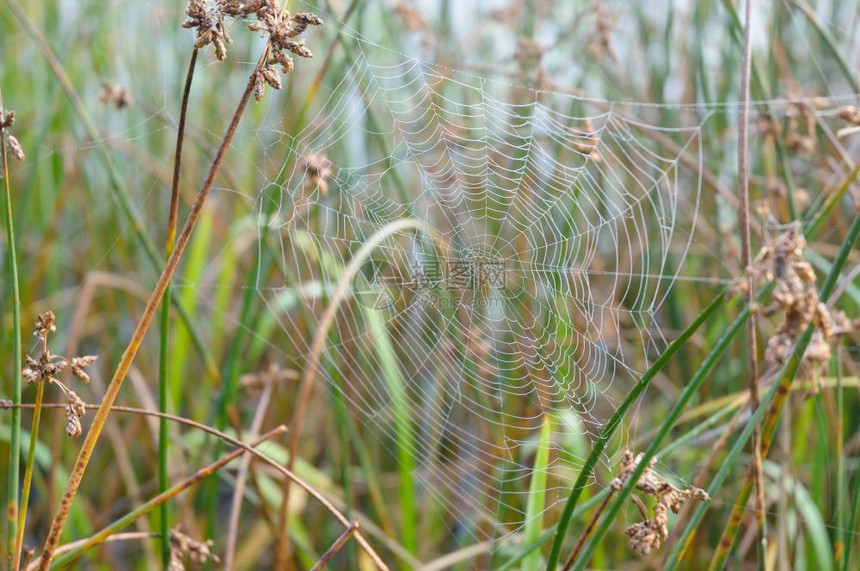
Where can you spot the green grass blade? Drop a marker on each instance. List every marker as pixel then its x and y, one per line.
pixel 537 494
pixel 687 394
pixel 615 422
pixel 12 276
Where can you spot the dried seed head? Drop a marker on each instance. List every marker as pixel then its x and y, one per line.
pixel 285 61
pixel 271 76
pixel 645 536
pixel 849 114
pixel 307 19
pixel 15 147
pixel 115 95
pixel 73 423
pixel 44 325
pixel 649 534
pixel 298 48
pixel 7 119
pixel 220 49
pixel 259 86
pixel 76 404
pixel 184 547
pixel 84 361
pixel 78 365
pixel 31 375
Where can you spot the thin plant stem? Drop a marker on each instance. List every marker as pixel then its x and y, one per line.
pixel 335 547
pixel 8 405
pixel 164 351
pixel 117 537
pixel 229 439
pixel 117 185
pixel 782 390
pixel 160 499
pixel 241 477
pixel 588 529
pixel 744 216
pixel 28 473
pixel 146 318
pixel 316 349
pixel 12 505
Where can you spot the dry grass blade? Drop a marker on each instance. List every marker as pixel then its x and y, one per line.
pixel 165 496
pixel 335 547
pixel 139 332
pixel 239 489
pixel 744 216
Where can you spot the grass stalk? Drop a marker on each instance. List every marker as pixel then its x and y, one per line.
pixel 317 347
pixel 537 493
pixel 241 477
pixel 335 547
pixel 744 217
pixel 28 474
pixel 12 505
pixel 117 185
pixel 164 351
pixel 615 421
pixel 159 500
pixel 140 331
pixel 687 394
pixel 733 525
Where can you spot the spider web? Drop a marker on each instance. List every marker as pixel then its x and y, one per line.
pixel 547 228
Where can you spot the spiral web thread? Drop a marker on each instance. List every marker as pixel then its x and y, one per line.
pixel 548 229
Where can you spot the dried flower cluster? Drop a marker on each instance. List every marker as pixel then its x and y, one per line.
pixel 48 366
pixel 589 144
pixel 116 95
pixel 7 119
pixel 282 30
pixel 796 296
pixel 849 114
pixel 278 24
pixel 318 169
pixel 600 39
pixel 208 20
pixel 184 548
pixel 650 533
pixel 800 138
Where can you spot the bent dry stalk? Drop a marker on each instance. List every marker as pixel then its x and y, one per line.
pixel 162 498
pixel 137 337
pixel 280 27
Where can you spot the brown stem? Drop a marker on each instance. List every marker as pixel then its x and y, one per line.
pixel 65 548
pixel 593 522
pixel 335 547
pixel 4 404
pixel 241 477
pixel 28 475
pixel 128 355
pixel 169 494
pixel 743 190
pixel 177 157
pixel 262 457
pixel 313 364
